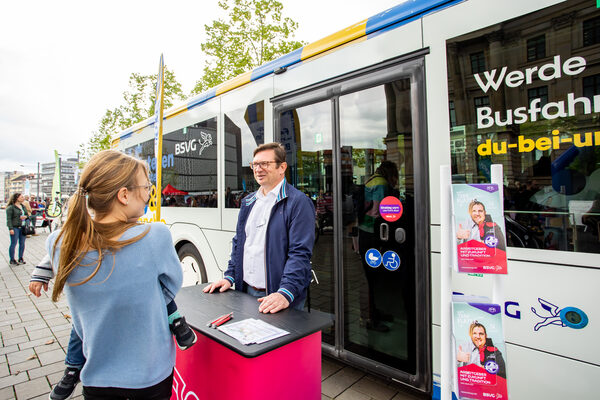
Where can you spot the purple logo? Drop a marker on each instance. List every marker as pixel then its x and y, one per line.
pixel 491 241
pixel 491 367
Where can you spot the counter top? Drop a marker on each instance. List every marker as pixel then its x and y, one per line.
pixel 199 308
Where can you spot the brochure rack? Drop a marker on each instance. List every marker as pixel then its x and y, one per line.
pixel 447 362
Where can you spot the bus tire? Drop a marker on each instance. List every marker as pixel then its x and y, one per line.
pixel 191 260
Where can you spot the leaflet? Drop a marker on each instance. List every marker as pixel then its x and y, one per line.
pixel 479 349
pixel 478 231
pixel 252 331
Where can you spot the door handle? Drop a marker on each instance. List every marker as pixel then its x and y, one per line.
pixel 400 235
pixel 384 232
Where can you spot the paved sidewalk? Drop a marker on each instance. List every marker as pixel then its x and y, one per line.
pixel 35 334
pixel 35 331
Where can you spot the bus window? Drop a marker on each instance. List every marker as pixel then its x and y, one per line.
pixel 189 176
pixel 540 120
pixel 244 131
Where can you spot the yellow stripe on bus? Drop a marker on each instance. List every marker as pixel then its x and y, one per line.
pixel 331 41
pixel 176 111
pixel 235 82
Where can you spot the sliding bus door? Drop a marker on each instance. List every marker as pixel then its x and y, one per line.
pixel 357 147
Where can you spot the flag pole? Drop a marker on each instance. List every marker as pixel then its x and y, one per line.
pixel 158 133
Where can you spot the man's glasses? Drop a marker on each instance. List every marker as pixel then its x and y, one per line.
pixel 261 164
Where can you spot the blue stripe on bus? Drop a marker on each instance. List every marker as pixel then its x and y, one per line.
pixel 125 135
pixel 405 13
pixel 437 392
pixel 282 62
pixel 204 96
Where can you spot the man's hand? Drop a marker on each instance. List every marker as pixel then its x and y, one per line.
pixel 224 284
pixel 36 288
pixel 462 233
pixel 462 356
pixel 273 303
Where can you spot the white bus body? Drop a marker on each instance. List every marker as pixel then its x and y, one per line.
pixel 557 260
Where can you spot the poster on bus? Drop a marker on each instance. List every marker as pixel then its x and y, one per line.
pixel 479 232
pixel 479 349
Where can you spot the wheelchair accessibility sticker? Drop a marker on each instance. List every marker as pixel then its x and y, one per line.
pixel 373 258
pixel 391 260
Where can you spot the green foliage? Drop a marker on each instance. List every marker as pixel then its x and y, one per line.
pixel 138 105
pixel 253 34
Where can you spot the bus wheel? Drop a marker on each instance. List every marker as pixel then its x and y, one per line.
pixel 192 265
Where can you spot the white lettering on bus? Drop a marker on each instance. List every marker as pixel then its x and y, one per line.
pixel 486 118
pixel 572 66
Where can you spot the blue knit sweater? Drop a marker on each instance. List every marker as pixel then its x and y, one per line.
pixel 121 313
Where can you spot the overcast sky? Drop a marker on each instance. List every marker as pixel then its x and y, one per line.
pixel 64 62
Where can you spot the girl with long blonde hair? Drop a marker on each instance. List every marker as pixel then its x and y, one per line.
pixel 119 276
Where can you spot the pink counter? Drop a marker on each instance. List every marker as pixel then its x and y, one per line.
pixel 219 367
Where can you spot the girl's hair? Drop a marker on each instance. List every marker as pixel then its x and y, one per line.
pixel 103 176
pixel 13 199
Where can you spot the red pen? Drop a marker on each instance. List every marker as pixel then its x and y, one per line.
pixel 222 320
pixel 212 323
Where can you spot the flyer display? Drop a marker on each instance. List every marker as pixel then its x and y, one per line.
pixel 479 349
pixel 479 232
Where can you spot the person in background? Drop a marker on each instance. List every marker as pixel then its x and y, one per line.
pixel 29 211
pixel 118 276
pixel 34 210
pixel 275 233
pixel 16 215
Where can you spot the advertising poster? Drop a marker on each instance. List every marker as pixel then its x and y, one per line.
pixel 479 229
pixel 480 352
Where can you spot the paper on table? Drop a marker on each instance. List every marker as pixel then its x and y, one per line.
pixel 249 331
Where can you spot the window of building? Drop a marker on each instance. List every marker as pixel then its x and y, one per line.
pixel 481 101
pixel 538 93
pixel 477 62
pixel 536 48
pixel 591 31
pixel 452 114
pixel 591 86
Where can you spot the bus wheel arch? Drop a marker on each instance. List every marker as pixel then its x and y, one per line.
pixel 191 263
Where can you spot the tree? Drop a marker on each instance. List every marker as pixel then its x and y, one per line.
pixel 138 105
pixel 254 33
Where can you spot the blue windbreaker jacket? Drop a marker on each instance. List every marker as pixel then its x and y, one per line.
pixel 288 248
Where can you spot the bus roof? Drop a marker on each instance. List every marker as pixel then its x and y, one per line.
pixel 392 18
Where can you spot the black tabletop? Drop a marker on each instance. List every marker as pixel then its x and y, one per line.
pixel 199 308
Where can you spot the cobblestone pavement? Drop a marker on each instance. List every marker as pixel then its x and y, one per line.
pixel 35 334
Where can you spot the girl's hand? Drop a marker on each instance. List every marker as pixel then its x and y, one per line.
pixel 36 288
pixel 12 232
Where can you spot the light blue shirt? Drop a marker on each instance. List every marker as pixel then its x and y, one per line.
pixel 121 312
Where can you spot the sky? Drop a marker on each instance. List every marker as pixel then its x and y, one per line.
pixel 64 63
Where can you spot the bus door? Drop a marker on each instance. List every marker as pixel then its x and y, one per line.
pixel 357 147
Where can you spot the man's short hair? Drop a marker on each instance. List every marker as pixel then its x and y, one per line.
pixel 276 147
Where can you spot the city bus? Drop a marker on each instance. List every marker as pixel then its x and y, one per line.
pixel 417 87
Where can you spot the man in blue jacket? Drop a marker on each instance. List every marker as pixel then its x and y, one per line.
pixel 272 247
